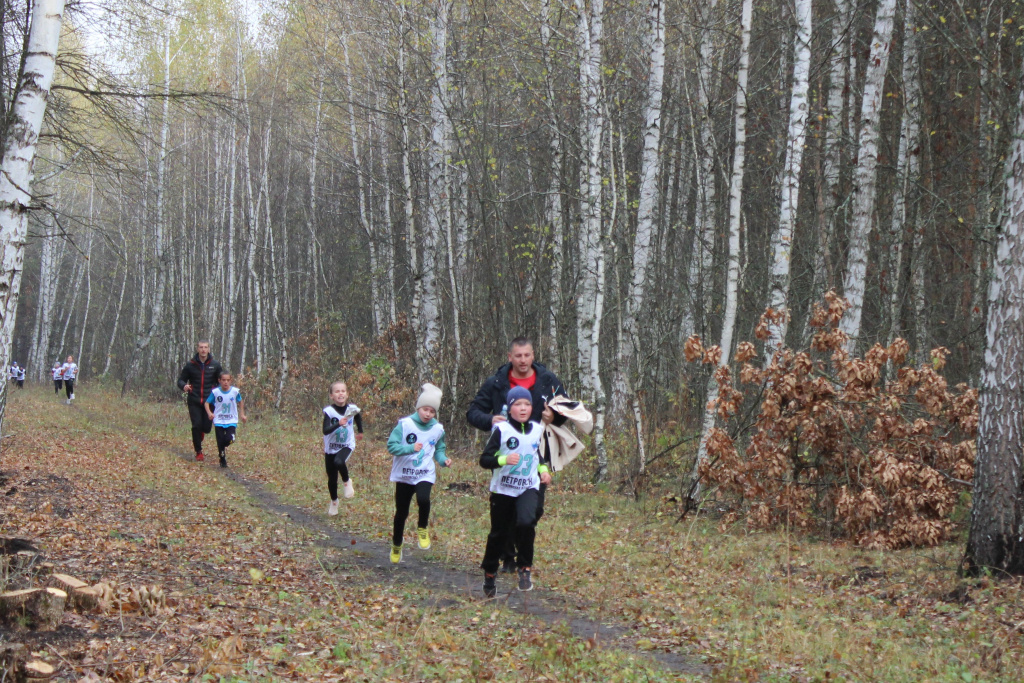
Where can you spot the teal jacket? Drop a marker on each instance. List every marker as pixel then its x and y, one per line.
pixel 397 446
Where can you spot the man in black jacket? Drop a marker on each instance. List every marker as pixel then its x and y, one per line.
pixel 488 408
pixel 197 379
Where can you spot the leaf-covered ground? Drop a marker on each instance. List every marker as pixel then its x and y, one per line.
pixel 104 487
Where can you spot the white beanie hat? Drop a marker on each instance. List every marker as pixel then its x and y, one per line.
pixel 430 395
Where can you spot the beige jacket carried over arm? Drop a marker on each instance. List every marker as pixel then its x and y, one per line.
pixel 560 445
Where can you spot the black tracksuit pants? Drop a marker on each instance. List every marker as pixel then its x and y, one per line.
pixel 201 424
pixel 69 387
pixel 403 500
pixel 335 464
pixel 514 517
pixel 57 384
pixel 225 437
pixel 508 553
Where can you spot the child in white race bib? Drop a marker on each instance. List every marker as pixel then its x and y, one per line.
pixel 512 453
pixel 343 424
pixel 417 446
pixel 224 407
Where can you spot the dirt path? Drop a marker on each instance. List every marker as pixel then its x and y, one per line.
pixel 372 558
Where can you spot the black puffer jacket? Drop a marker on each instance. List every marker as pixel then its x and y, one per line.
pixel 491 397
pixel 202 376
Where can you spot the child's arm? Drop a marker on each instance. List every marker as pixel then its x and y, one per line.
pixel 490 459
pixel 241 410
pixel 330 424
pixel 441 452
pixel 358 421
pixel 206 405
pixel 396 446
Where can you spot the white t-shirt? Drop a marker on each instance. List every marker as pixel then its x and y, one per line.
pixel 342 437
pixel 513 480
pixel 57 372
pixel 419 466
pixel 21 374
pixel 225 406
pixel 69 371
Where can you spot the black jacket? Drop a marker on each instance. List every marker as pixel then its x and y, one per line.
pixel 491 397
pixel 203 376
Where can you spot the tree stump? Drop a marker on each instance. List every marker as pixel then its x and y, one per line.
pixel 73 587
pixel 35 671
pixel 37 608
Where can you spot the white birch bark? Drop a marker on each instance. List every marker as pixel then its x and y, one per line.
pixel 735 217
pixel 51 255
pixel 120 305
pixel 908 160
pixel 21 137
pixel 865 174
pixel 995 539
pixel 698 277
pixel 553 197
pixel 438 156
pixel 782 240
pixel 88 294
pixel 627 369
pixel 412 245
pixel 252 229
pixel 590 29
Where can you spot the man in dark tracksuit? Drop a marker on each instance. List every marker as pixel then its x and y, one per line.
pixel 488 408
pixel 198 378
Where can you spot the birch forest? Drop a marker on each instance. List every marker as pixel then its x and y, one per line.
pixel 413 183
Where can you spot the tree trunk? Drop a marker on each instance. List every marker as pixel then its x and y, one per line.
pixel 735 217
pixel 865 175
pixel 998 502
pixel 782 240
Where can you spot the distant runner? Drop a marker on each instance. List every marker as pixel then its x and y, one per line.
pixel 197 379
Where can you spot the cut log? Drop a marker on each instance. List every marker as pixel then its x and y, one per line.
pixel 34 671
pixel 85 599
pixel 71 586
pixel 45 568
pixel 37 608
pixel 24 559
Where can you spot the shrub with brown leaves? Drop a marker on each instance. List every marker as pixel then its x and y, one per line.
pixel 872 449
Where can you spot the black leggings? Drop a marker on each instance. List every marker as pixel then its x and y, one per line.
pixel 508 553
pixel 225 436
pixel 57 385
pixel 335 464
pixel 403 498
pixel 201 424
pixel 511 516
pixel 69 387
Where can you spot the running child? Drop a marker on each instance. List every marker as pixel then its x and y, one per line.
pixel 58 377
pixel 69 371
pixel 513 453
pixel 416 443
pixel 21 377
pixel 224 407
pixel 340 441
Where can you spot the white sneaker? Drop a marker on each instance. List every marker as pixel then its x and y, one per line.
pixel 72 397
pixel 349 491
pixel 333 510
pixel 69 401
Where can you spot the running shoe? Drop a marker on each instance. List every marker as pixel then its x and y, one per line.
pixel 524 579
pixel 396 554
pixel 490 587
pixel 424 538
pixel 349 491
pixel 333 510
pixel 223 461
pixel 199 456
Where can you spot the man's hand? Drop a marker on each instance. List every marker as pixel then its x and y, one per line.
pixel 418 447
pixel 512 459
pixel 187 388
pixel 545 478
pixel 359 437
pixel 498 418
pixel 547 416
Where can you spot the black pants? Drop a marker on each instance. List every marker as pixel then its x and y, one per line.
pixel 21 384
pixel 57 385
pixel 225 436
pixel 69 387
pixel 403 499
pixel 508 553
pixel 335 464
pixel 201 424
pixel 516 517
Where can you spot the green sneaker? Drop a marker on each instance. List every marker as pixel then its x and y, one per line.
pixel 424 538
pixel 396 554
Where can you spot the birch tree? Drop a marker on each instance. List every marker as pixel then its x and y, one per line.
pixel 997 510
pixel 782 240
pixel 21 137
pixel 865 174
pixel 735 217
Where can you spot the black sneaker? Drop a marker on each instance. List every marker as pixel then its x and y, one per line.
pixel 490 587
pixel 524 580
pixel 508 566
pixel 223 461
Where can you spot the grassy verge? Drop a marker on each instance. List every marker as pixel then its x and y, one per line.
pixel 248 597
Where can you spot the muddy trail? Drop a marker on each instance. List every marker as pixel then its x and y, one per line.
pixel 370 559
